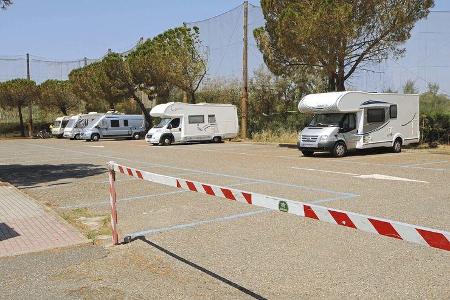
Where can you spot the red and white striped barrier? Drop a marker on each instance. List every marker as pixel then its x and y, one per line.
pixel 421 235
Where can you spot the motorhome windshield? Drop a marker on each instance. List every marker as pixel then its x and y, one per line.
pixel 163 122
pixel 56 123
pixel 71 123
pixel 326 120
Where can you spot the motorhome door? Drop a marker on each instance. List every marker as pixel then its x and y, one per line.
pixel 175 128
pixel 349 130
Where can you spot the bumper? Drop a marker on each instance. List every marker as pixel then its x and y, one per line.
pixel 152 139
pixel 320 146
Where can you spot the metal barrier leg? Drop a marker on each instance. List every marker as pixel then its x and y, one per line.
pixel 112 200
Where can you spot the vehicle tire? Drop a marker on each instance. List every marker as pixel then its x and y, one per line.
pixel 397 146
pixel 136 136
pixel 95 137
pixel 217 139
pixel 166 140
pixel 339 149
pixel 76 136
pixel 307 152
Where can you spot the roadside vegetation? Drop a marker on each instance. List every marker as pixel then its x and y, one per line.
pixel 333 39
pixel 93 226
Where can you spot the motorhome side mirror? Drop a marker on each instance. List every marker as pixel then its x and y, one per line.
pixel 97 126
pixel 169 126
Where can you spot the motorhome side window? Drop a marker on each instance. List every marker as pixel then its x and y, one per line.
pixel 125 122
pixel 393 111
pixel 175 123
pixel 115 123
pixel 349 122
pixel 375 115
pixel 196 119
pixel 211 119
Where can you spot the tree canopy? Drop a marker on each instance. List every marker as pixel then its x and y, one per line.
pixel 336 37
pixel 5 3
pixel 16 94
pixel 57 95
pixel 174 58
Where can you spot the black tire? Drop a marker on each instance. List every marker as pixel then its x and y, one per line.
pixel 95 137
pixel 136 136
pixel 217 139
pixel 339 149
pixel 397 146
pixel 76 136
pixel 307 152
pixel 166 140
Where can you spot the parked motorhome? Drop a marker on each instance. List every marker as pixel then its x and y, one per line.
pixel 182 122
pixel 58 126
pixel 114 125
pixel 358 120
pixel 77 123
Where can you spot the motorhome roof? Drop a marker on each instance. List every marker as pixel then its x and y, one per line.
pixel 335 102
pixel 171 108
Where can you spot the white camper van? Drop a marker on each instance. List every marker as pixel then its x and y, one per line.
pixel 114 125
pixel 59 125
pixel 357 120
pixel 77 123
pixel 182 122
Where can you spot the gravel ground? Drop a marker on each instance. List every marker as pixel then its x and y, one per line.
pixel 209 248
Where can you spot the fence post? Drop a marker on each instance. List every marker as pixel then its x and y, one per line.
pixel 112 200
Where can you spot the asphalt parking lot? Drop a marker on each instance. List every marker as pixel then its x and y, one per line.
pixel 205 247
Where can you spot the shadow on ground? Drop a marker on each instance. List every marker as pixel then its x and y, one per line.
pixel 29 175
pixel 6 232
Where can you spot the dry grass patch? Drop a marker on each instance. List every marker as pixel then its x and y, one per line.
pixel 92 225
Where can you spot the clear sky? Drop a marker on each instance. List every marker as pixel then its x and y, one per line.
pixel 72 29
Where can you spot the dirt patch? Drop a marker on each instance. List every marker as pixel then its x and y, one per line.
pixel 93 226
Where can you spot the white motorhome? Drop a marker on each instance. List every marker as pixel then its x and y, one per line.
pixel 114 125
pixel 358 120
pixel 58 126
pixel 77 123
pixel 182 122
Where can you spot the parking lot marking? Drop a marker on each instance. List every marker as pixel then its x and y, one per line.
pixel 387 165
pixel 133 198
pixel 425 163
pixel 369 176
pixel 343 194
pixel 198 223
pixel 417 234
pixel 325 171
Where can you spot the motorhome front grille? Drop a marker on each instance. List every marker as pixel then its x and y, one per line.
pixel 309 138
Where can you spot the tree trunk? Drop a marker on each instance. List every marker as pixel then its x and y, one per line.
pixel 22 127
pixel 112 107
pixel 192 97
pixel 148 118
pixel 185 97
pixel 331 83
pixel 340 78
pixel 63 110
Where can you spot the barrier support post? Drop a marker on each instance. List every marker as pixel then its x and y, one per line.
pixel 113 200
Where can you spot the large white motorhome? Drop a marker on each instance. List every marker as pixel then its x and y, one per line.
pixel 58 126
pixel 114 125
pixel 182 122
pixel 77 123
pixel 358 120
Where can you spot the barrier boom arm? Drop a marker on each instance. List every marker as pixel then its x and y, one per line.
pixel 416 234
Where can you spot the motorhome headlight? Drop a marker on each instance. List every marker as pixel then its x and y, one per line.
pixel 324 137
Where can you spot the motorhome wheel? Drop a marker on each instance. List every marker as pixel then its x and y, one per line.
pixel 339 149
pixel 307 153
pixel 77 136
pixel 397 147
pixel 217 139
pixel 95 137
pixel 137 136
pixel 166 140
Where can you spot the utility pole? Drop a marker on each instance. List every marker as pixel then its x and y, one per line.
pixel 85 61
pixel 30 105
pixel 244 96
